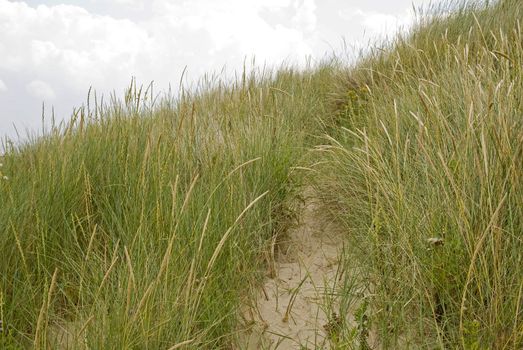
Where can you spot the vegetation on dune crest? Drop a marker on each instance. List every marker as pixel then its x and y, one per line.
pixel 426 170
pixel 143 223
pixel 139 226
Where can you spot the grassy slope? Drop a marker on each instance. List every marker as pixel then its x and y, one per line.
pixel 128 228
pixel 428 177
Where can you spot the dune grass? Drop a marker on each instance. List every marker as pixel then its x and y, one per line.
pixel 142 223
pixel 426 171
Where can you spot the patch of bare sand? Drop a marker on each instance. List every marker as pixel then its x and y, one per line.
pixel 290 309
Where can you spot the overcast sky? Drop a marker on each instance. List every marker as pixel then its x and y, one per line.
pixel 52 51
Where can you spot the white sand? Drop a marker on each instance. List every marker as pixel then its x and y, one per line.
pixel 309 260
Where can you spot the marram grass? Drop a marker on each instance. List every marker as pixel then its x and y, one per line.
pixel 143 226
pixel 144 223
pixel 426 170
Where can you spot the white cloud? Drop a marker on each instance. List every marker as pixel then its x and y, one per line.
pixel 305 17
pixel 80 49
pixel 127 2
pixel 68 41
pixel 379 24
pixel 41 90
pixel 235 27
pixel 3 87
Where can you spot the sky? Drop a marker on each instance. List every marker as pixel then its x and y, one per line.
pixel 52 52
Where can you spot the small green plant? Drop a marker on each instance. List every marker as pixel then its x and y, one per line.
pixel 362 321
pixel 472 339
pixel 3 177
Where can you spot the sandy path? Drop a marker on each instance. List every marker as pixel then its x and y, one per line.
pixel 290 310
